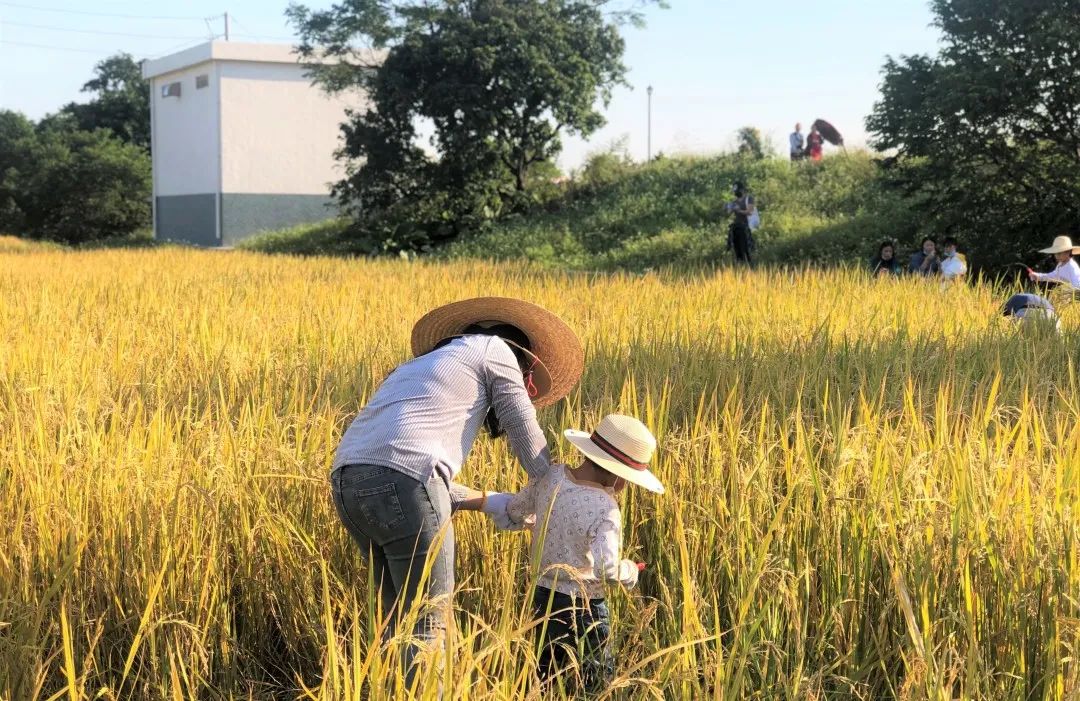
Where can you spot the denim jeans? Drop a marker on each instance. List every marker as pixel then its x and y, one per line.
pixel 400 525
pixel 576 627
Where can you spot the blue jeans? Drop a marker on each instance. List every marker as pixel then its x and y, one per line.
pixel 575 627
pixel 400 525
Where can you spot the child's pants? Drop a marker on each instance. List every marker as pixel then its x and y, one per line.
pixel 576 628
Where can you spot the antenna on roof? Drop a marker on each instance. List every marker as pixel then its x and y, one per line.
pixel 213 34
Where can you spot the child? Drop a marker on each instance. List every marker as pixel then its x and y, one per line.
pixel 1067 271
pixel 577 540
pixel 953 265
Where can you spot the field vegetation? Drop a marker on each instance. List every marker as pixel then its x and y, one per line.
pixel 873 486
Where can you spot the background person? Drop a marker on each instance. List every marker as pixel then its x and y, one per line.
pixel 740 237
pixel 797 143
pixel 925 262
pixel 1067 271
pixel 1031 310
pixel 885 262
pixel 479 361
pixel 814 144
pixel 953 264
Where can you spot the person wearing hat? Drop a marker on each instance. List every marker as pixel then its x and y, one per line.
pixel 488 361
pixel 577 538
pixel 1067 271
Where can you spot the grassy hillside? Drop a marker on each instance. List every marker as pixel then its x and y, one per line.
pixel 616 215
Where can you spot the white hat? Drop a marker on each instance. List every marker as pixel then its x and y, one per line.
pixel 1061 245
pixel 623 446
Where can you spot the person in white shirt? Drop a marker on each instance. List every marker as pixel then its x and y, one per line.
pixel 577 538
pixel 1067 271
pixel 798 143
pixel 954 264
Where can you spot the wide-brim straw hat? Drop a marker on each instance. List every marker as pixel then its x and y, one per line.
pixel 1061 245
pixel 556 348
pixel 623 446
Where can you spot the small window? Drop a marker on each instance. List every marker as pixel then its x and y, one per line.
pixel 170 90
pixel 201 81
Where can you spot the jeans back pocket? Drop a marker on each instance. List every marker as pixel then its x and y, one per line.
pixel 380 506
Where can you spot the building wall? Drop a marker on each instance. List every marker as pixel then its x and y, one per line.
pixel 279 132
pixel 186 134
pixel 252 151
pixel 244 214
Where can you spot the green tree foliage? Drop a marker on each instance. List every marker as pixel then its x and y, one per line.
pixel 120 103
pixel 70 185
pixel 751 143
pixel 497 83
pixel 17 141
pixel 988 131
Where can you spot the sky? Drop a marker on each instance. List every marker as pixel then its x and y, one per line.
pixel 715 65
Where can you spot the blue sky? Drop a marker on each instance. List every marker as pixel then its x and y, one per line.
pixel 715 65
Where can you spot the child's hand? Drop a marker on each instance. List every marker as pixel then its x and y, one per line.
pixel 641 567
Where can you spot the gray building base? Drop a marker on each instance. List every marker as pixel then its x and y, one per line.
pixel 194 219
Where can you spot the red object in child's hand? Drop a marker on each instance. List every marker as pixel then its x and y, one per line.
pixel 641 567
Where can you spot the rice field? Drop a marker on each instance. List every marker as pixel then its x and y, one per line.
pixel 873 487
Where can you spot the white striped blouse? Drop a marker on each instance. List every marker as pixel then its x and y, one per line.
pixel 424 417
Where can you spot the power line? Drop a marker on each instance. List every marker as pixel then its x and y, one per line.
pixel 63 10
pixel 92 31
pixel 256 36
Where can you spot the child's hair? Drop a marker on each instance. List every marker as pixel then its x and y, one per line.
pixel 884 245
pixel 949 241
pixel 928 238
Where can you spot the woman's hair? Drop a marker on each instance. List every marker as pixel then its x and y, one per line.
pixel 949 241
pixel 883 246
pixel 928 238
pixel 507 332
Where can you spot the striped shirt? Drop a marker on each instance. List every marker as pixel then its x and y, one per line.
pixel 424 417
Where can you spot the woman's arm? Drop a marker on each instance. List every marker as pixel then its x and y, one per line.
pixel 464 498
pixel 514 409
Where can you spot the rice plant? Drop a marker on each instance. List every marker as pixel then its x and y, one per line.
pixel 873 486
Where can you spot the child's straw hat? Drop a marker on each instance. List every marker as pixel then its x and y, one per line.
pixel 623 446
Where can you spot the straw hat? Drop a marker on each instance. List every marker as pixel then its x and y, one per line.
pixel 559 357
pixel 623 446
pixel 1061 245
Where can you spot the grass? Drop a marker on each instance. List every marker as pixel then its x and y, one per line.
pixel 873 487
pixel 620 216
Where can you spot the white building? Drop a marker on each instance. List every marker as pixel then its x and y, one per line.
pixel 242 142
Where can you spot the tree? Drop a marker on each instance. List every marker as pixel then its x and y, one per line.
pixel 751 143
pixel 498 82
pixel 121 103
pixel 17 140
pixel 70 185
pixel 988 131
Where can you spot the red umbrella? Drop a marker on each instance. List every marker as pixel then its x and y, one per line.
pixel 829 132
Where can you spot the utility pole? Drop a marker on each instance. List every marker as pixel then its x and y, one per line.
pixel 226 26
pixel 648 151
